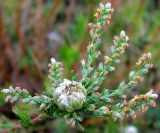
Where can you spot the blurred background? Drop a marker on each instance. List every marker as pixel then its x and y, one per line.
pixel 33 31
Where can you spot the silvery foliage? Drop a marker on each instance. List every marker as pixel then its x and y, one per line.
pixel 75 99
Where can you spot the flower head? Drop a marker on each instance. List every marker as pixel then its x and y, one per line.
pixel 69 95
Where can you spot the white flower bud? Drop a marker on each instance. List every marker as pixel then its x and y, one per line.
pixel 104 109
pixel 122 34
pixel 101 5
pixel 53 61
pixel 5 91
pixel 149 55
pixel 153 104
pixel 127 38
pixel 149 93
pixel 42 106
pixel 154 96
pixel 69 95
pixel 100 66
pixel 108 5
pixel 83 62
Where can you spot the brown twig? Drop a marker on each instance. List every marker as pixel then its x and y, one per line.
pixel 53 13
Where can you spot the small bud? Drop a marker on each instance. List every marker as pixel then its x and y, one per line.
pixel 134 116
pixel 115 39
pixel 153 104
pixel 133 82
pixel 112 48
pixel 149 66
pixel 124 96
pixel 109 16
pixel 149 93
pixel 154 96
pixel 111 10
pixel 116 55
pixel 146 97
pixel 107 58
pixel 18 89
pixel 136 98
pixel 50 65
pixel 124 102
pixel 104 109
pixel 83 62
pixel 122 34
pixel 53 61
pixel 90 25
pixel 98 10
pixel 100 66
pixel 101 5
pixel 5 91
pixel 126 38
pixel 144 108
pixel 98 53
pixel 149 55
pixel 24 91
pixel 139 78
pixel 131 105
pixel 138 64
pixel 126 109
pixel 107 22
pixel 141 96
pixel 108 5
pixel 98 26
pixel 96 15
pixel 125 45
pixel 8 98
pixel 42 106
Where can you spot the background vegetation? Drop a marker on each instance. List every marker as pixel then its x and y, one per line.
pixel 31 32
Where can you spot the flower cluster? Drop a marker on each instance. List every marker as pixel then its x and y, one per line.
pixel 22 95
pixel 141 102
pixel 75 100
pixel 69 95
pixel 103 16
pixel 55 72
pixel 15 94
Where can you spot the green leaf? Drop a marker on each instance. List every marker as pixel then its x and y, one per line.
pixel 73 76
pixel 5 126
pixel 69 55
pixel 24 117
pixel 80 26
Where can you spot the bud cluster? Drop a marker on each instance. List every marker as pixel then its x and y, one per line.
pixel 135 76
pixel 140 102
pixel 15 94
pixel 55 72
pixel 103 16
pixel 22 95
pixel 142 68
pixel 143 59
pixel 120 44
pixel 126 109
